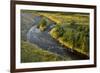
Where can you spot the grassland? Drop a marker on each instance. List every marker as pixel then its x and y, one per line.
pixel 71 30
pixel 32 53
pixel 67 18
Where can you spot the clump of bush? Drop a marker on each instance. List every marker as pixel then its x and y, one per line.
pixel 42 24
pixel 57 31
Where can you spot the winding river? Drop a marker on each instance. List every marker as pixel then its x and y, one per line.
pixel 46 42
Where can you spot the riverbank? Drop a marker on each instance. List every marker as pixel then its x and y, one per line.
pixel 75 51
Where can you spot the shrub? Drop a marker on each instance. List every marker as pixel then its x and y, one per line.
pixel 42 24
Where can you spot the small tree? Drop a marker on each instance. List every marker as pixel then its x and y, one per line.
pixel 42 24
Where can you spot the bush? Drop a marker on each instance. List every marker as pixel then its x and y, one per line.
pixel 42 24
pixel 57 31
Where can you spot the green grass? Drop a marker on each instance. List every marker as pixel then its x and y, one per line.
pixel 32 53
pixel 75 34
pixel 62 17
pixel 75 37
pixel 66 19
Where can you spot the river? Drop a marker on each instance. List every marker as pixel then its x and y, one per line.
pixel 46 42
